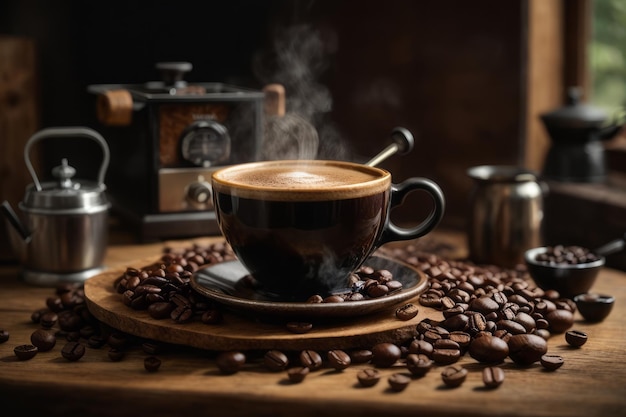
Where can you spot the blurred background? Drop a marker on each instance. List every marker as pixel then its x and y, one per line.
pixel 469 80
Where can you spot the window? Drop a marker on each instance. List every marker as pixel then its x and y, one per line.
pixel 607 56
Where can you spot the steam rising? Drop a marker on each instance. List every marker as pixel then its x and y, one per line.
pixel 297 58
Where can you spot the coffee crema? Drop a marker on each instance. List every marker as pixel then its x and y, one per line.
pixel 301 180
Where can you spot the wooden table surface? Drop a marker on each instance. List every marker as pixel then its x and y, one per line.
pixel 592 382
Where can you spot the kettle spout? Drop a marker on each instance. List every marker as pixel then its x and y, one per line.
pixel 610 132
pixel 8 212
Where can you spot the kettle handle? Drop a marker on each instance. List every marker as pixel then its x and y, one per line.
pixel 67 132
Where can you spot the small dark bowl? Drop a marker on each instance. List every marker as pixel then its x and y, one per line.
pixel 568 279
pixel 594 307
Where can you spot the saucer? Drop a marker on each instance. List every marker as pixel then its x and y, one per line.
pixel 226 283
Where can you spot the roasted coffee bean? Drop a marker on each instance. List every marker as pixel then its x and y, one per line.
pixel 338 359
pixel 526 349
pixel 385 354
pixel 544 333
pixel 526 320
pixel 462 338
pixel 560 320
pixel 182 314
pixel 576 338
pixel 418 364
pixel 488 349
pixel 48 319
pixel 35 317
pixel 96 341
pixel 493 376
pixel 423 326
pixel 275 360
pixel 551 362
pixel 407 312
pixel 454 376
pixel 25 352
pixel 311 359
pixel 446 352
pixel 419 346
pixel 230 362
pixel 334 299
pixel 458 322
pixel 299 327
pixel 151 348
pixel 315 299
pixel 459 296
pixel 377 290
pixel 456 310
pixel 117 340
pixel 87 331
pixel 510 326
pixel 152 363
pixel 476 323
pixel 43 340
pixel 72 336
pixel 355 296
pixel 161 310
pixel 73 351
pixel 212 316
pixel 361 356
pixel 115 354
pixel 368 377
pixel 297 373
pixel 394 285
pixel 398 381
pixel 542 324
pixel 4 335
pixel 435 333
pixel 484 305
pixel 430 299
pixel 54 304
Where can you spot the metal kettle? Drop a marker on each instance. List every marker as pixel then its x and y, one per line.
pixel 62 233
pixel 577 132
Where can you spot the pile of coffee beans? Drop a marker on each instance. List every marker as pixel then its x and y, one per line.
pixel 163 288
pixel 571 255
pixel 488 313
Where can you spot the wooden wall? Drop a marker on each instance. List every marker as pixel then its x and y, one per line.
pixel 468 79
pixel 18 121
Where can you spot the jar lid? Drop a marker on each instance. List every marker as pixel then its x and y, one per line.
pixel 575 114
pixel 65 196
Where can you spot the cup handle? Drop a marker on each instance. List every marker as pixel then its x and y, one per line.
pixel 393 232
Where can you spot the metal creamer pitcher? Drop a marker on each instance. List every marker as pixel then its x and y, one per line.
pixel 505 214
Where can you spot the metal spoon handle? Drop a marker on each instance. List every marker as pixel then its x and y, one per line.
pixel 402 143
pixel 611 247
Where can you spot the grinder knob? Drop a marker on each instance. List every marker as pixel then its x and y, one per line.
pixel 199 193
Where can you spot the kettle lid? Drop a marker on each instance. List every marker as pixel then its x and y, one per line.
pixel 65 195
pixel 575 114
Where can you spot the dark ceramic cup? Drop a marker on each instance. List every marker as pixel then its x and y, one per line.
pixel 302 227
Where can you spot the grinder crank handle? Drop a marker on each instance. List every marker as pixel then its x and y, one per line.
pixel 402 144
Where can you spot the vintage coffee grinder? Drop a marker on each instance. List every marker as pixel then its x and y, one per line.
pixel 577 132
pixel 166 137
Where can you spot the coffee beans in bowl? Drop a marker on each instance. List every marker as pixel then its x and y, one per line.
pixel 570 270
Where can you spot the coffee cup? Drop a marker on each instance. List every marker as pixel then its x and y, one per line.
pixel 302 227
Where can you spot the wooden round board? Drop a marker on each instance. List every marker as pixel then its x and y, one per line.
pixel 242 332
